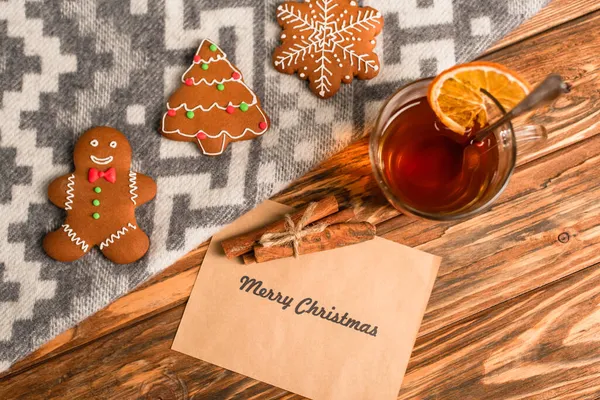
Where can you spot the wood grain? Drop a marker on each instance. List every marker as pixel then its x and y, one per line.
pixel 555 13
pixel 570 49
pixel 134 363
pixel 541 345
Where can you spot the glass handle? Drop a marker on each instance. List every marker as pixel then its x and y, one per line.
pixel 529 136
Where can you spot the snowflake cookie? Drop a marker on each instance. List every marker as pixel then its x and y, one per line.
pixel 328 42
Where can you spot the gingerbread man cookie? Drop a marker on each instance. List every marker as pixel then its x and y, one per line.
pixel 100 198
pixel 328 42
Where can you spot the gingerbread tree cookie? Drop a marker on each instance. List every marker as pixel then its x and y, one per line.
pixel 328 42
pixel 100 198
pixel 213 106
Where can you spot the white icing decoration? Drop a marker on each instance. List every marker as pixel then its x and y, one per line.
pixel 210 60
pixel 305 68
pixel 373 41
pixel 347 77
pixel 113 144
pixel 283 35
pixel 326 37
pixel 214 81
pixel 70 192
pixel 211 83
pixel 214 105
pixel 302 75
pixel 74 238
pixel 132 186
pixel 294 37
pixel 116 236
pixel 223 132
pixel 94 143
pixel 101 161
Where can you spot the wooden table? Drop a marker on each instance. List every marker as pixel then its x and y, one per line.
pixel 515 312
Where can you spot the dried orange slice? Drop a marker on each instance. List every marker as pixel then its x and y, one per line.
pixel 457 100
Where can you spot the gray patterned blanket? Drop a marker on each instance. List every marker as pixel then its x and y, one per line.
pixel 68 65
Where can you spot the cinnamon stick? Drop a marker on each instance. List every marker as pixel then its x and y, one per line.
pixel 243 244
pixel 249 258
pixel 333 237
pixel 339 217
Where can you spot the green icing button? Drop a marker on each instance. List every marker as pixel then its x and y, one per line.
pixel 204 66
pixel 213 47
pixel 244 107
pixel 95 215
pixel 97 189
pixel 96 202
pixel 189 114
pixel 220 87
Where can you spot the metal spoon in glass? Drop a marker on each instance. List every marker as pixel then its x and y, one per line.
pixel 549 90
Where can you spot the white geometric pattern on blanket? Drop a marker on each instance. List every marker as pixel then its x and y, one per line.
pixel 410 15
pixel 410 67
pixel 197 187
pixel 53 63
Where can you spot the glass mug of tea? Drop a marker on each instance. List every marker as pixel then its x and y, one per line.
pixel 426 170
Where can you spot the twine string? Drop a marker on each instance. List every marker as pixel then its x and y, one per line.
pixel 294 232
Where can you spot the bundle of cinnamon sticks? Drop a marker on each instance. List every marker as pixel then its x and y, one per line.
pixel 318 227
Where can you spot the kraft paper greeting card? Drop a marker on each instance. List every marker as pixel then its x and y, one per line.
pixel 338 324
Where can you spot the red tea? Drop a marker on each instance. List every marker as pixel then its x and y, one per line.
pixel 431 168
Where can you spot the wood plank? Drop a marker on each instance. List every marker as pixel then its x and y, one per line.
pixel 134 363
pixel 541 345
pixel 348 176
pixel 555 13
pixel 544 344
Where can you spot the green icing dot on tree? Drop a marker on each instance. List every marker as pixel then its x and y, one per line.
pixel 244 107
pixel 189 114
pixel 213 47
pixel 220 87
pixel 204 66
pixel 97 189
pixel 96 202
pixel 96 216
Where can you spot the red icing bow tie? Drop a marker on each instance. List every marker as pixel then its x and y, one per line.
pixel 110 175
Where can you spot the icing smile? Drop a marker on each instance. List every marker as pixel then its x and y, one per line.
pixel 101 161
